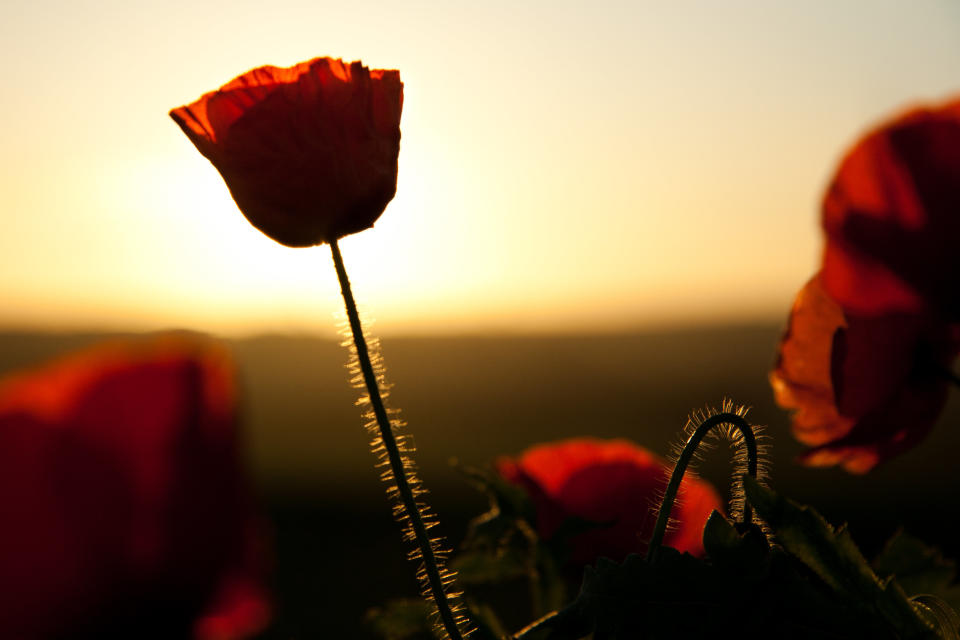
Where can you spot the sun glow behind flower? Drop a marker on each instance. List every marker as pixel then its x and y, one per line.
pixel 595 169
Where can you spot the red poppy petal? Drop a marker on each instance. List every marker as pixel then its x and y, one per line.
pixel 240 609
pixel 865 285
pixel 308 152
pixel 696 500
pixel 129 493
pixel 890 215
pixel 551 465
pixel 863 387
pixel 614 482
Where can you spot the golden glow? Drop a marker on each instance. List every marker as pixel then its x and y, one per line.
pixel 560 168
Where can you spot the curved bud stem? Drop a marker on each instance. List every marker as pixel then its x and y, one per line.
pixel 431 567
pixel 749 440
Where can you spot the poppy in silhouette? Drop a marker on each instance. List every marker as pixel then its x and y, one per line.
pixel 613 484
pixel 125 512
pixel 309 152
pixel 865 360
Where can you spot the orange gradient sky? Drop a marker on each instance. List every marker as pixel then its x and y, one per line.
pixel 564 165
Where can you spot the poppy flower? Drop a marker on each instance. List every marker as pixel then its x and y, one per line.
pixel 864 387
pixel 309 152
pixel 124 509
pixel 614 484
pixel 866 358
pixel 892 218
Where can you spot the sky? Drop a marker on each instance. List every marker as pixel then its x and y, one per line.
pixel 565 166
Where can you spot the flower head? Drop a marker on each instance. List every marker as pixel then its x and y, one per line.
pixel 864 387
pixel 613 483
pixel 892 218
pixel 309 152
pixel 125 512
pixel 872 336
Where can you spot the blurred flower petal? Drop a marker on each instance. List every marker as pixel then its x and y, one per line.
pixel 863 387
pixel 611 482
pixel 866 359
pixel 124 505
pixel 892 218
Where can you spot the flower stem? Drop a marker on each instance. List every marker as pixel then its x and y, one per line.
pixel 430 563
pixel 686 455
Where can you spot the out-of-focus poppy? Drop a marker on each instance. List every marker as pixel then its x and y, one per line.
pixel 614 484
pixel 866 358
pixel 125 512
pixel 309 152
pixel 864 387
pixel 892 218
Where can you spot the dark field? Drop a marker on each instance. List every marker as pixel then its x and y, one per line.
pixel 338 551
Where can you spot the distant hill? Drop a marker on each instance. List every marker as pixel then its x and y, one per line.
pixel 478 397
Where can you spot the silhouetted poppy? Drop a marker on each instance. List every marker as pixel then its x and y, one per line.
pixel 124 509
pixel 871 338
pixel 864 387
pixel 615 484
pixel 309 152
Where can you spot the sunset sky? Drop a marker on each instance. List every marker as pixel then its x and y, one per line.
pixel 564 165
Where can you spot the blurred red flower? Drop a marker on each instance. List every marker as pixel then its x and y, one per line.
pixel 892 218
pixel 309 152
pixel 865 387
pixel 124 509
pixel 611 482
pixel 865 359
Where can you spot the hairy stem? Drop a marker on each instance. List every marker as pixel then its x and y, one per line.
pixel 430 563
pixel 749 440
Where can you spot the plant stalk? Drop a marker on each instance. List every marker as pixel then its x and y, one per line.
pixel 749 440
pixel 396 464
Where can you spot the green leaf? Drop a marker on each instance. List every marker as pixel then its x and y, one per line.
pixel 941 615
pixel 401 619
pixel 483 566
pixel 925 575
pixel 505 536
pixel 728 549
pixel 919 568
pixel 506 499
pixel 835 559
pixel 719 535
pixel 816 585
pixel 679 596
pixel 487 624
